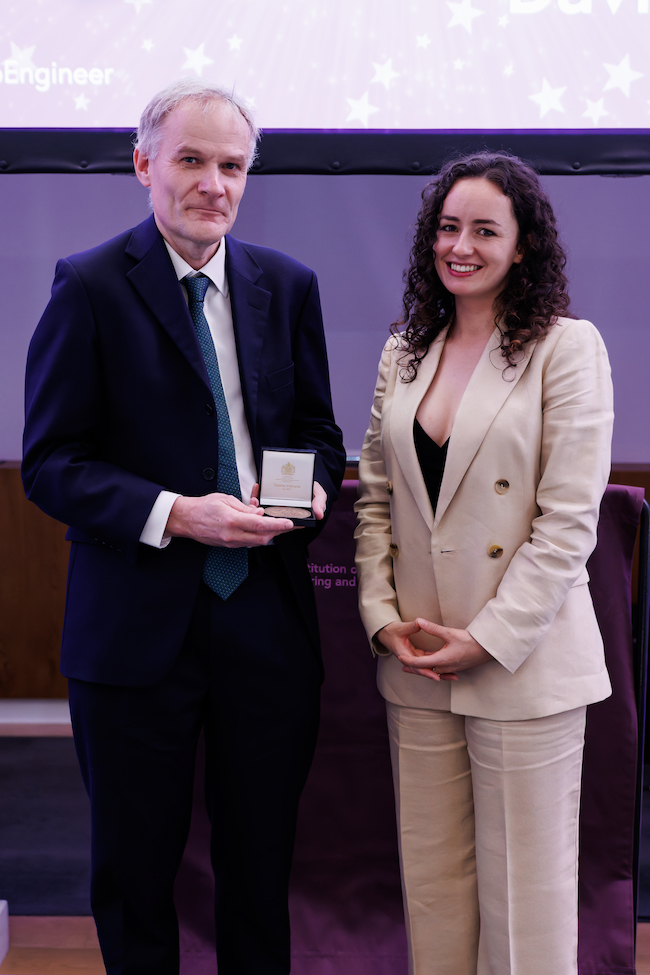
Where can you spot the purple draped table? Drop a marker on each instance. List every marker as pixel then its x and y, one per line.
pixel 346 906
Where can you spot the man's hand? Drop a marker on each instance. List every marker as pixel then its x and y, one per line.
pixel 319 502
pixel 460 652
pixel 221 520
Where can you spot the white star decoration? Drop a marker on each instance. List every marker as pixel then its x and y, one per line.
pixel 481 89
pixel 360 109
pixel 621 76
pixel 595 110
pixel 196 60
pixel 23 56
pixel 384 73
pixel 548 99
pixel 138 4
pixel 463 14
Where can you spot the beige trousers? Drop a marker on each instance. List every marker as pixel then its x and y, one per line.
pixel 487 817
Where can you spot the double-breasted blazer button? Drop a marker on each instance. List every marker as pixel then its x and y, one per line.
pixel 394 550
pixel 208 473
pixel 389 487
pixel 209 409
pixel 502 486
pixel 495 551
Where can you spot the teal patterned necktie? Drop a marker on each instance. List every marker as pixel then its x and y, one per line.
pixel 225 568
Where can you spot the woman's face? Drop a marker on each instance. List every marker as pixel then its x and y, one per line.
pixel 477 241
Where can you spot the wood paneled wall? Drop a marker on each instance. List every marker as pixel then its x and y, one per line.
pixel 33 563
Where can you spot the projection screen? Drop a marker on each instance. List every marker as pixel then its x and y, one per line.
pixel 563 67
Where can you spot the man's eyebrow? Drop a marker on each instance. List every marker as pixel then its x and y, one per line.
pixel 186 149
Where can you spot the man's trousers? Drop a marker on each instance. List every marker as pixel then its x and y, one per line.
pixel 248 675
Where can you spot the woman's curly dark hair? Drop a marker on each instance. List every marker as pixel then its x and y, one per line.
pixel 535 291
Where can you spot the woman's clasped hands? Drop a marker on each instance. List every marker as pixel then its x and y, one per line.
pixel 459 652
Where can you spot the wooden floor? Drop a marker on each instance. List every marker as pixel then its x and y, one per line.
pixel 643 949
pixel 68 946
pixel 52 946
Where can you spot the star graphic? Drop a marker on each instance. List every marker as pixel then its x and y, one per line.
pixel 463 14
pixel 360 109
pixel 234 43
pixel 384 73
pixel 196 60
pixel 548 98
pixel 503 21
pixel 138 4
pixel 23 56
pixel 82 102
pixel 595 111
pixel 423 41
pixel 621 76
pixel 458 64
pixel 509 68
pixel 147 45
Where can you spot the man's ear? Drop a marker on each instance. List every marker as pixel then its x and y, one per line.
pixel 141 166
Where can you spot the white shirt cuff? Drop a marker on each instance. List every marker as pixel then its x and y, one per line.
pixel 153 532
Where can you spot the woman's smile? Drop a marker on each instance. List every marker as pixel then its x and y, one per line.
pixel 464 268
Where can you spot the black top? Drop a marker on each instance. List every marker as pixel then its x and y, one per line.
pixel 432 459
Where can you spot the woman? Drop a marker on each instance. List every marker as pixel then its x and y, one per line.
pixel 480 482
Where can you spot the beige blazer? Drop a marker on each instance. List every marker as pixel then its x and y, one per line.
pixel 527 464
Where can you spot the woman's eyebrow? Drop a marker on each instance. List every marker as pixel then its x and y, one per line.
pixel 481 220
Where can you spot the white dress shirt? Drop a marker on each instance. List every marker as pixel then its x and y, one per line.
pixel 218 313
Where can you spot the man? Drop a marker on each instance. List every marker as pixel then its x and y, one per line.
pixel 187 608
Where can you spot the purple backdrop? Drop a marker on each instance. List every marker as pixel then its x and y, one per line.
pixel 354 231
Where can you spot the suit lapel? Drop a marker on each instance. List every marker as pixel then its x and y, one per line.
pixel 485 395
pixel 406 399
pixel 250 314
pixel 154 278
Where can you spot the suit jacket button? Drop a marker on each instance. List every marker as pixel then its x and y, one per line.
pixel 502 486
pixel 208 473
pixel 495 551
pixel 209 409
pixel 389 487
pixel 394 550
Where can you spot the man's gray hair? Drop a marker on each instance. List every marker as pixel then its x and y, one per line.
pixel 204 94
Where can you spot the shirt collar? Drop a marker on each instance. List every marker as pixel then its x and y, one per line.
pixel 215 269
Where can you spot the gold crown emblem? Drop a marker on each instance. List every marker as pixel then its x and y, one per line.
pixel 288 468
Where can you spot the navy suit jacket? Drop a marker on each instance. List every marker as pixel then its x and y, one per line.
pixel 119 407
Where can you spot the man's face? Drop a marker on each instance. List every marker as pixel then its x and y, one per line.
pixel 197 177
